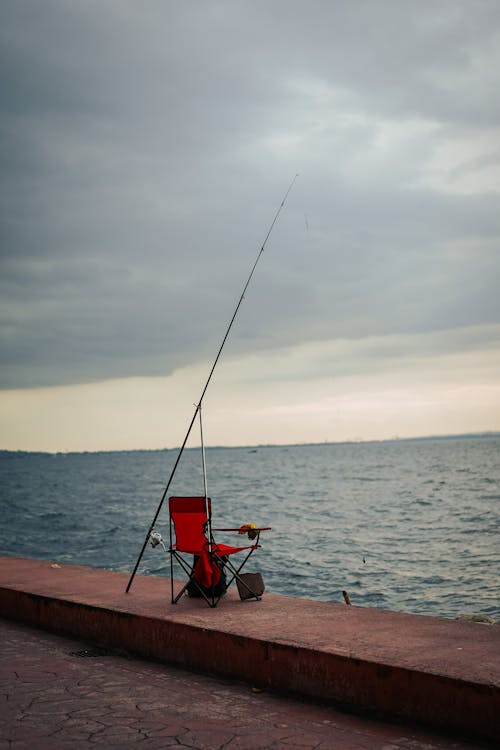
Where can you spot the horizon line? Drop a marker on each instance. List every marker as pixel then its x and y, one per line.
pixel 353 441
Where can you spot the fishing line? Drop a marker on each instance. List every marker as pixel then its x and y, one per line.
pixel 198 405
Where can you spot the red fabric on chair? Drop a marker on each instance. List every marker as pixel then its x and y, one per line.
pixel 206 570
pixel 189 515
pixel 223 550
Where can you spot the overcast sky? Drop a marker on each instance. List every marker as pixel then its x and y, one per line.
pixel 145 148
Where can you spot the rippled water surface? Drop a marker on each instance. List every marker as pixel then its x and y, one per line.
pixel 404 525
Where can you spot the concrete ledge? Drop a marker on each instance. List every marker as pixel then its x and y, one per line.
pixel 439 672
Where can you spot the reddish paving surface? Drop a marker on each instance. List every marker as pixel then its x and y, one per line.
pixel 55 696
pixel 418 669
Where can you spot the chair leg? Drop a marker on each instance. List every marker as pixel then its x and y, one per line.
pixel 212 600
pixel 172 578
pixel 185 567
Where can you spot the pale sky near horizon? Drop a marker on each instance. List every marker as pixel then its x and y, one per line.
pixel 145 148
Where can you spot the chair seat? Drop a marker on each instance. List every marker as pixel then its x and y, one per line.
pixel 221 550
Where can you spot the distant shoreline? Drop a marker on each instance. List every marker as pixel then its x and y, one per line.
pixel 263 446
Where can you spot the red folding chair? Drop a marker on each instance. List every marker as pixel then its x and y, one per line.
pixel 208 564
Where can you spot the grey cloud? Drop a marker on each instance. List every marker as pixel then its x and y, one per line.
pixel 145 148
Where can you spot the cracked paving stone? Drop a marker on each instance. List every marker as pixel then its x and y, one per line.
pixel 157 727
pixel 52 699
pixel 256 740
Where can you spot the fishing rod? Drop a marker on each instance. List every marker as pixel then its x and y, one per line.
pixel 198 405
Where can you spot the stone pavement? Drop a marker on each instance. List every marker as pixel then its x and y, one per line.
pixel 432 671
pixel 58 693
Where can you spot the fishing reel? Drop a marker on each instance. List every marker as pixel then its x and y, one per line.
pixel 155 538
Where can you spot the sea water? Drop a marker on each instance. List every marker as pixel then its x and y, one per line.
pixel 407 525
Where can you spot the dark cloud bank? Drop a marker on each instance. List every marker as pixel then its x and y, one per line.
pixel 146 146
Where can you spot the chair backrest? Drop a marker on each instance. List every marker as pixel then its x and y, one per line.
pixel 189 516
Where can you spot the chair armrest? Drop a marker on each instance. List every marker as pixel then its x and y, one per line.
pixel 261 528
